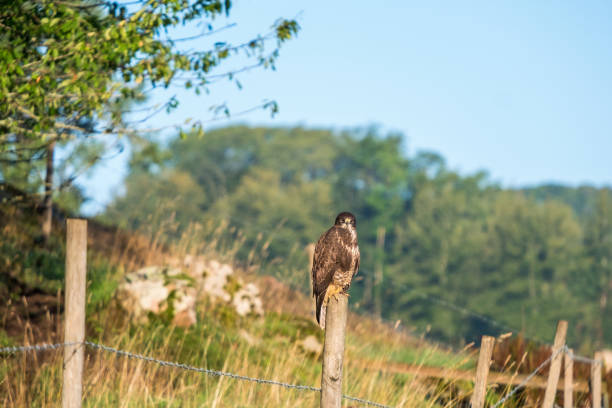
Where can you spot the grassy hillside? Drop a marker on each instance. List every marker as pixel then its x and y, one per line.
pixel 268 347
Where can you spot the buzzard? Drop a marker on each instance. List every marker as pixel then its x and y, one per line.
pixel 335 262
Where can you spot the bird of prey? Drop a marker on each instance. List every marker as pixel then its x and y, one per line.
pixel 335 262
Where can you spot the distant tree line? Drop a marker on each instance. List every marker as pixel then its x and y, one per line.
pixel 524 257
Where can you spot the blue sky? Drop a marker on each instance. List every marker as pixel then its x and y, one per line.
pixel 521 89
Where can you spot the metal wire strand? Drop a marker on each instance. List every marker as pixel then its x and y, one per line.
pixel 45 346
pixel 365 402
pixel 221 373
pixel 529 377
pixel 582 359
pixel 35 347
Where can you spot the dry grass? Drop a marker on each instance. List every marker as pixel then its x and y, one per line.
pixel 271 350
pixel 266 347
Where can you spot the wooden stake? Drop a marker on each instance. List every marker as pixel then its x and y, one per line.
pixel 596 380
pixel 482 372
pixel 378 272
pixel 568 381
pixel 419 370
pixel 74 312
pixel 333 351
pixel 555 365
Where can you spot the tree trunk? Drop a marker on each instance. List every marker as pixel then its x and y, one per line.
pixel 48 202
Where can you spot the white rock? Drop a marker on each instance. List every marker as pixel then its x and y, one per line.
pixel 147 290
pixel 215 280
pixel 247 301
pixel 184 307
pixel 311 345
pixel 196 266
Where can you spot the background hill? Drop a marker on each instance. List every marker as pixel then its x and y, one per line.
pixel 526 257
pixel 437 247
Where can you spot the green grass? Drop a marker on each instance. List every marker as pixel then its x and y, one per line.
pixel 264 347
pixel 212 343
pixel 428 355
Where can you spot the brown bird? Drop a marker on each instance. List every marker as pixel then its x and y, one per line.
pixel 335 262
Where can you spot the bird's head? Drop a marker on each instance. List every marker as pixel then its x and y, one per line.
pixel 346 220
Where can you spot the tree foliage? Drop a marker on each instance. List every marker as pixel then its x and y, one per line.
pixel 74 69
pixel 64 62
pixel 453 243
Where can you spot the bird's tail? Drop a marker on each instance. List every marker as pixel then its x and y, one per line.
pixel 321 309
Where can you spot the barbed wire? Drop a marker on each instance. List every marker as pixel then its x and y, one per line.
pixel 530 376
pixel 365 402
pixel 468 312
pixel 464 311
pixel 443 302
pixel 582 359
pixel 196 369
pixel 36 347
pixel 222 373
pixel 165 363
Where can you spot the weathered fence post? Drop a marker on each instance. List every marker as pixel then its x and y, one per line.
pixel 482 372
pixel 555 365
pixel 74 312
pixel 333 351
pixel 596 380
pixel 568 381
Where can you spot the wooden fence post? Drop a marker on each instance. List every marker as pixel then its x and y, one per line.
pixel 568 381
pixel 596 380
pixel 555 365
pixel 74 312
pixel 333 351
pixel 482 372
pixel 378 271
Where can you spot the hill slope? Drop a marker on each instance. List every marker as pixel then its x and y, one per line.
pixel 271 347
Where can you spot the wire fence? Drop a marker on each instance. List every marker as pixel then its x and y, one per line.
pixel 397 323
pixel 491 321
pixel 523 383
pixel 182 366
pixel 443 302
pixel 528 378
pixel 216 373
pixel 35 347
pixel 582 359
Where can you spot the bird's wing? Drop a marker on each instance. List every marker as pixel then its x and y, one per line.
pixel 358 255
pixel 324 261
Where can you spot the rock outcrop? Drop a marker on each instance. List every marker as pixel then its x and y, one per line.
pixel 174 291
pixel 247 301
pixel 158 290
